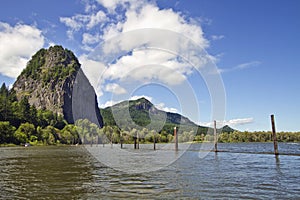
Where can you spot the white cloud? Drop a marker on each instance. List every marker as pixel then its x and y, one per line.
pixel 141 65
pixel 248 65
pixel 90 39
pixel 231 123
pixel 89 7
pixel 96 19
pixel 115 88
pixel 76 22
pixel 150 16
pixel 82 21
pixel 241 66
pixel 217 37
pixel 147 65
pixel 17 44
pixel 242 121
pixel 111 5
pixel 109 103
pixel 162 106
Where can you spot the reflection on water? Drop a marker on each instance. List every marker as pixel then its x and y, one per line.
pixel 72 173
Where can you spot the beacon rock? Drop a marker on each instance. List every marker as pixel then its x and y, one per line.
pixel 53 80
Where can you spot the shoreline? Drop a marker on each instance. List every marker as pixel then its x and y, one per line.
pixel 193 142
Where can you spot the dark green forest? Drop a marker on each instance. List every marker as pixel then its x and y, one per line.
pixel 22 123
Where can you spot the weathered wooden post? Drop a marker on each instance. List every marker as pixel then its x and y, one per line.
pixel 215 136
pixel 134 138
pixel 274 136
pixel 121 140
pixel 138 140
pixel 154 142
pixel 176 138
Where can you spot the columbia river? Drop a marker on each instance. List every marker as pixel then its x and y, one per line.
pixel 239 171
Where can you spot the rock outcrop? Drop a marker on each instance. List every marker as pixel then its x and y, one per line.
pixel 53 80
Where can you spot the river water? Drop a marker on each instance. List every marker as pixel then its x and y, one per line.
pixel 241 171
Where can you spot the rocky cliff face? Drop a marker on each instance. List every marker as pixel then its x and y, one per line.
pixel 49 81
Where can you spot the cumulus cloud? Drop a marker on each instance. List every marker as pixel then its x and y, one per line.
pixel 162 106
pixel 109 103
pixel 137 63
pixel 88 38
pixel 243 121
pixel 17 44
pixel 82 21
pixel 150 16
pixel 115 88
pixel 146 65
pixel 96 19
pixel 231 123
pixel 109 4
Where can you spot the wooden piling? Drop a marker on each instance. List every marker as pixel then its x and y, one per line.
pixel 274 136
pixel 134 138
pixel 121 140
pixel 176 138
pixel 154 142
pixel 138 140
pixel 215 136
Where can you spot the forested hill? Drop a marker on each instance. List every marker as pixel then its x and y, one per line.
pixel 142 113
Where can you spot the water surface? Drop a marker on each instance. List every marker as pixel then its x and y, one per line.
pixel 242 171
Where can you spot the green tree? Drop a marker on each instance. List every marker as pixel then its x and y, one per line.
pixel 69 134
pixel 24 132
pixel 108 131
pixel 33 115
pixel 5 104
pixel 49 135
pixel 116 135
pixel 7 132
pixel 87 130
pixel 45 118
pixel 24 110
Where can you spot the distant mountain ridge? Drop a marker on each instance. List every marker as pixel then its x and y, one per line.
pixel 143 113
pixel 139 111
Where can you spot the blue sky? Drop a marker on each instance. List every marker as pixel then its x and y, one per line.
pixel 254 44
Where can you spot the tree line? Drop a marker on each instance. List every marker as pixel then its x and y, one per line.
pixel 258 136
pixel 22 123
